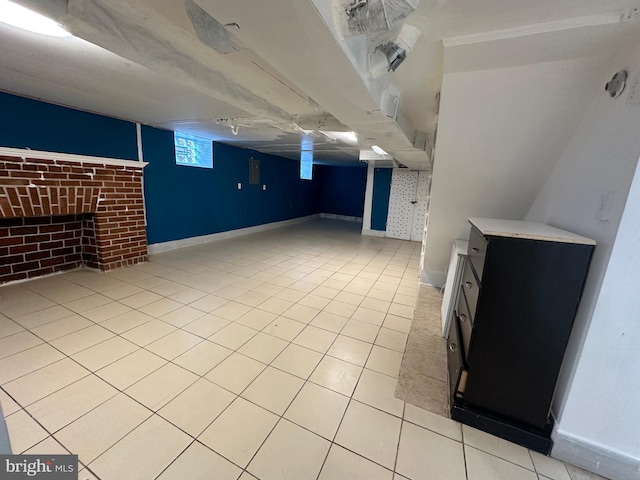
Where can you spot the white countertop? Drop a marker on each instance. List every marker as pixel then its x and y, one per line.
pixel 530 230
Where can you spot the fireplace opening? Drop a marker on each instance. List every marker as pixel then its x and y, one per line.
pixel 36 246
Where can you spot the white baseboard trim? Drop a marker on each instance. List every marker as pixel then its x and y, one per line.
pixel 594 458
pixel 214 237
pixel 341 217
pixel 374 233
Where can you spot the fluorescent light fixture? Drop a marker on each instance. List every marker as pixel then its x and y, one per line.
pixel 346 137
pixel 378 150
pixel 22 17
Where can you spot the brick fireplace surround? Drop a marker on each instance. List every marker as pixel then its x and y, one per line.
pixel 59 212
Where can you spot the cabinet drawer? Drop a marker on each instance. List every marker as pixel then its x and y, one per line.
pixel 477 251
pixel 454 357
pixel 470 288
pixel 466 321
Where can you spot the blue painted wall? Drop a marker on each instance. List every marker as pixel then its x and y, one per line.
pixel 43 126
pixel 380 201
pixel 186 201
pixel 341 189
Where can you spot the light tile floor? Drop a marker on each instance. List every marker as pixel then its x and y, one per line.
pixel 271 356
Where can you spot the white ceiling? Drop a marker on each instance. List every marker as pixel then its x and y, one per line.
pixel 141 60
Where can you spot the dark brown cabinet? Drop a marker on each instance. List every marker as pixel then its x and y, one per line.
pixel 519 295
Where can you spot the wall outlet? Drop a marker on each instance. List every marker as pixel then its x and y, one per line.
pixel 264 188
pixel 239 186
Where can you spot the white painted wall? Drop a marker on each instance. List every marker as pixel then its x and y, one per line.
pixel 598 393
pixel 500 133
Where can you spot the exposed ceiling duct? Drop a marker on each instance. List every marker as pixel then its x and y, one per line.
pixel 375 16
pixel 210 31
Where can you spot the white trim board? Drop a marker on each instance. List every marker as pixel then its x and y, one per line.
pixel 594 458
pixel 214 237
pixel 334 216
pixel 374 233
pixel 25 153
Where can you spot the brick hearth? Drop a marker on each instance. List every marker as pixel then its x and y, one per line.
pixel 65 211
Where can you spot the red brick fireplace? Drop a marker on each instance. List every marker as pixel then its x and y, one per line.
pixel 59 212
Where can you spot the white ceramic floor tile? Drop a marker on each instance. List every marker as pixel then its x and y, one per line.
pixel 231 311
pixel 394 322
pixel 342 463
pixel 174 344
pixel 48 446
pixel 60 328
pixel 314 301
pixel 337 375
pixel 275 305
pixel 40 383
pixel 290 453
pixel 350 350
pixel 549 467
pixel 141 299
pixel 284 328
pixel 126 321
pixel 273 390
pixel 143 453
pixel 160 307
pixel 18 342
pixel 9 406
pixel 391 339
pixel 236 372
pixel 9 327
pixel 27 361
pixel 233 336
pixel 374 317
pixel 297 360
pixel 70 403
pixel 497 446
pixel 360 330
pixel 256 319
pixel 94 433
pixel 318 409
pixel 206 325
pixel 375 304
pixel 342 309
pixel 148 332
pixel 370 433
pixel 350 298
pixel 200 463
pixel 128 370
pixel 377 390
pixel 160 387
pixel 24 431
pixel 203 357
pixel 209 303
pixel 87 303
pixel 82 339
pixel 431 421
pixel 239 431
pixel 385 361
pixel 482 466
pixel 263 347
pixel 188 296
pixel 424 454
pixel 401 310
pixel 102 354
pixel 329 321
pixel 301 313
pixel 123 291
pixel 197 406
pixel 315 339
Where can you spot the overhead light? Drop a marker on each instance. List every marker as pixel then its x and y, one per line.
pixel 22 17
pixel 346 137
pixel 378 150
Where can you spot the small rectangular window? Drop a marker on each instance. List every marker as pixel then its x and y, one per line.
pixel 193 151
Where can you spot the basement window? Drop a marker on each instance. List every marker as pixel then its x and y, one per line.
pixel 193 151
pixel 306 158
